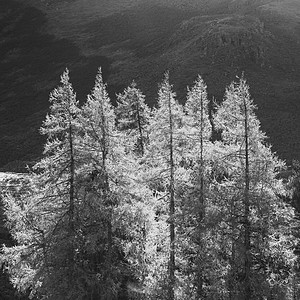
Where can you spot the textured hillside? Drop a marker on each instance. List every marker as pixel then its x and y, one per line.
pixel 139 39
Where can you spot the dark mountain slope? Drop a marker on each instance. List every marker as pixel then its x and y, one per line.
pixel 257 41
pixel 31 61
pixel 222 46
pixel 139 39
pixel 32 58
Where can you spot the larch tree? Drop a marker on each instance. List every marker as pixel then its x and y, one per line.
pixel 254 202
pixel 114 227
pixel 198 132
pixel 97 124
pixel 133 117
pixel 163 157
pixel 44 220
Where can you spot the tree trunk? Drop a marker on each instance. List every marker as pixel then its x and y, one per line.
pixel 107 196
pixel 200 275
pixel 247 245
pixel 71 181
pixel 141 141
pixel 171 210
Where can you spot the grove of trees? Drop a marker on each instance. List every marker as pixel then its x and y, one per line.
pixel 133 202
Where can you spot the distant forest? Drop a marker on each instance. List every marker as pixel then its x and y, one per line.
pixel 170 202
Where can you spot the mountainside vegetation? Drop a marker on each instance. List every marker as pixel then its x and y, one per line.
pixel 130 202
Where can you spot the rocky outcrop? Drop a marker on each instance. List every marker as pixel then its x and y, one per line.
pixel 225 39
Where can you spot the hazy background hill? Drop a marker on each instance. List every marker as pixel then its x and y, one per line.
pixel 139 39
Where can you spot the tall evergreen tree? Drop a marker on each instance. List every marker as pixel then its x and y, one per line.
pixel 163 158
pixel 198 133
pixel 115 193
pixel 97 144
pixel 46 228
pixel 251 170
pixel 133 116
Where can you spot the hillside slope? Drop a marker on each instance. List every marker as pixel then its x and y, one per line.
pixel 139 39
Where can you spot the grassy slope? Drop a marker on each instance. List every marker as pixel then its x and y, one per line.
pixel 134 39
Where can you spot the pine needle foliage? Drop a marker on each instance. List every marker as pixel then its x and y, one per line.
pixel 132 203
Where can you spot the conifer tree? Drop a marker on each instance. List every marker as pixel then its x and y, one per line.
pixel 198 132
pixel 163 160
pixel 97 123
pixel 133 116
pixel 43 221
pixel 251 180
pixel 60 127
pixel 116 195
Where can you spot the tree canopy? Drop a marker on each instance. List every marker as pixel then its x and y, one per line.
pixel 133 202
